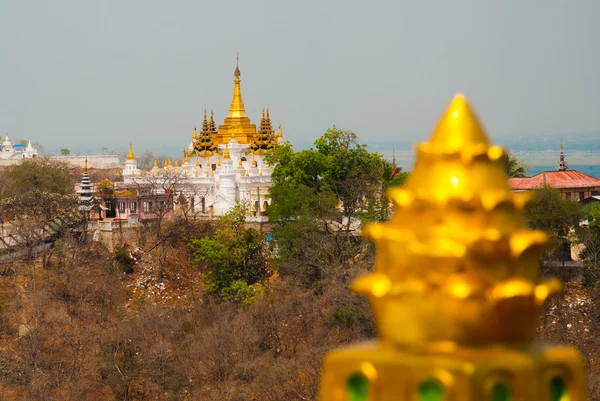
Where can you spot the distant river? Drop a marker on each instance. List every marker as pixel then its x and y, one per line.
pixel 589 169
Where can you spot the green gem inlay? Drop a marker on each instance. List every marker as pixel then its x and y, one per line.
pixel 357 387
pixel 431 390
pixel 558 390
pixel 501 392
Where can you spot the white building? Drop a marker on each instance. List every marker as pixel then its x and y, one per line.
pixel 17 151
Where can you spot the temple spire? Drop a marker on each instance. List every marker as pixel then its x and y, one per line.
pixel 562 165
pixel 130 155
pixel 85 167
pixel 236 109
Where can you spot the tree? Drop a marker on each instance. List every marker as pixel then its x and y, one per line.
pixel 65 152
pixel 38 216
pixel 514 167
pixel 235 257
pixel 551 213
pixel 556 216
pixel 40 174
pixel 319 197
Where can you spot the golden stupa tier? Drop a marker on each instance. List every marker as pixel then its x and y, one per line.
pixel 456 290
pixel 457 259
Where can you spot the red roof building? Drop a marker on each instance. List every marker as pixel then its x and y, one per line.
pixel 572 184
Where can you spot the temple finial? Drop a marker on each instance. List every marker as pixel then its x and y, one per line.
pixel 130 155
pixel 237 66
pixel 85 167
pixel 226 154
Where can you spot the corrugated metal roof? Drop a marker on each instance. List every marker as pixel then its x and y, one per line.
pixel 555 179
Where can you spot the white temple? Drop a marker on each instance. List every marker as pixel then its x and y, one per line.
pixel 220 167
pixel 10 151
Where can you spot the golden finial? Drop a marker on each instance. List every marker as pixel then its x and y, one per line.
pixel 279 132
pixel 85 167
pixel 226 154
pixel 456 290
pixel 561 146
pixel 219 161
pixel 263 113
pixel 130 155
pixel 254 164
pixel 236 109
pixel 205 114
pixel 176 163
pixel 195 134
pixel 155 162
pixel 197 161
pixel 268 113
pixel 237 66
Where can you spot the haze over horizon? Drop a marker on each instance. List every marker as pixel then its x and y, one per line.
pixel 86 75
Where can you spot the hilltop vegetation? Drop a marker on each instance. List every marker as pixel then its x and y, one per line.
pixel 230 315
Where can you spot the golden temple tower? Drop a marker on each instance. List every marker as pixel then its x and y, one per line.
pixel 237 124
pixel 456 291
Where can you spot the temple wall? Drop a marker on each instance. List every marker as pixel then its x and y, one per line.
pixel 100 161
pixel 94 161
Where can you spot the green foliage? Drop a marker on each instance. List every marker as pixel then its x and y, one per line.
pixel 346 316
pixel 551 213
pixel 39 174
pixel 592 212
pixel 515 167
pixel 235 257
pixel 321 195
pixel 123 256
pixel 65 152
pixel 338 178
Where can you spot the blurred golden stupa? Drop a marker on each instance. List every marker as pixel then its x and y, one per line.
pixel 456 292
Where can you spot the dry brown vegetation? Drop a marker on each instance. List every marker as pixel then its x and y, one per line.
pixel 81 329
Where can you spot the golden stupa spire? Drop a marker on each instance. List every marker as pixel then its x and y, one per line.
pixel 155 162
pixel 226 153
pixel 85 167
pixel 456 291
pixel 236 109
pixel 176 163
pixel 197 161
pixel 279 132
pixel 195 134
pixel 130 155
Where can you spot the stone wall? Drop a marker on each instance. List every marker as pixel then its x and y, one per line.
pixel 98 161
pixel 94 161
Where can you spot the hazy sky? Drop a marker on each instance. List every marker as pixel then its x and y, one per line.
pixel 85 74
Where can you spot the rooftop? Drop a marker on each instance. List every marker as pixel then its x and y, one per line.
pixel 555 179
